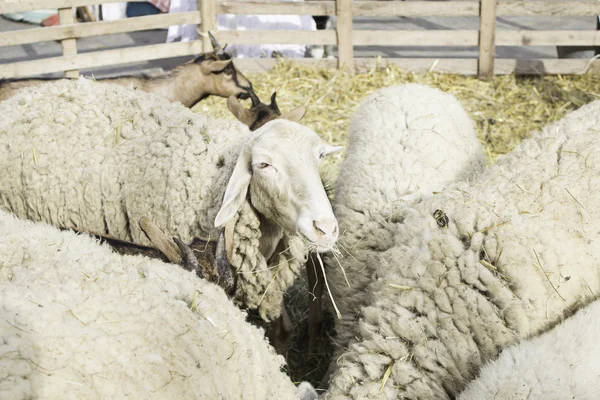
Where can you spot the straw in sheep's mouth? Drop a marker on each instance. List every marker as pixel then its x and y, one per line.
pixel 314 248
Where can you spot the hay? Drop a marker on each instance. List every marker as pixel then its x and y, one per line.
pixel 505 109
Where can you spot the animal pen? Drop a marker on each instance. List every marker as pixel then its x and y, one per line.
pixel 487 37
pixel 505 108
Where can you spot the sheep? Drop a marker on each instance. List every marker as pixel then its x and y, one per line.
pixel 405 143
pixel 210 73
pixel 562 363
pixel 478 267
pixel 80 321
pixel 97 158
pixel 260 113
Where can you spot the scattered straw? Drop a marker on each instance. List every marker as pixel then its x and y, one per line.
pixel 505 109
pixel 488 265
pixel 539 263
pixel 337 311
pixel 576 201
pixel 493 226
pixel 386 376
pixel 118 134
pixel 401 287
pixel 269 285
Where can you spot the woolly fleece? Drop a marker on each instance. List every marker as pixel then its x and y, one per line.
pixel 81 322
pixel 522 248
pixel 405 143
pixel 96 157
pixel 563 363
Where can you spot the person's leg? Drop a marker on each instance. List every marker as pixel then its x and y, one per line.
pixel 139 9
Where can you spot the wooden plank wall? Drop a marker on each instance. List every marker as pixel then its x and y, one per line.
pixel 486 38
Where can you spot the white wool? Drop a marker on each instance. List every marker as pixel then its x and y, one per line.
pixel 81 322
pixel 521 249
pixel 306 391
pixel 98 157
pixel 405 143
pixel 563 363
pixel 79 154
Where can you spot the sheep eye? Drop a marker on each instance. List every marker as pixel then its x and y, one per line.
pixel 322 155
pixel 263 165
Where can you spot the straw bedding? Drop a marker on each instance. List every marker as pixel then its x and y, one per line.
pixel 506 109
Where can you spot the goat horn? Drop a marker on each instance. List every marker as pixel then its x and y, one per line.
pixel 215 44
pixel 159 240
pixel 254 98
pixel 227 280
pixel 189 260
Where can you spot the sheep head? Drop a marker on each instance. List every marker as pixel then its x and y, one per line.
pixel 278 170
pixel 261 113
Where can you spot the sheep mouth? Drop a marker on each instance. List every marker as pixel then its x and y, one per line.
pixel 319 248
pixel 243 95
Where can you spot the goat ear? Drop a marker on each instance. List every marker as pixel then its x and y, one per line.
pixel 235 193
pixel 294 115
pixel 236 108
pixel 273 106
pixel 210 66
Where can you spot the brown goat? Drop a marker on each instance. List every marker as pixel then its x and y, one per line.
pixel 210 73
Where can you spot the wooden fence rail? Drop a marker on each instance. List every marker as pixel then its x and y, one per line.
pixel 486 38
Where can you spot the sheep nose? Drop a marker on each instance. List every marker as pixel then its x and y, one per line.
pixel 326 229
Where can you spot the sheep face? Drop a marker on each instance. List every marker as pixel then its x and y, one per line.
pixel 260 113
pixel 279 168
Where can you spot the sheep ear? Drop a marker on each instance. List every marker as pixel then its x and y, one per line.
pixel 329 149
pixel 294 115
pixel 235 193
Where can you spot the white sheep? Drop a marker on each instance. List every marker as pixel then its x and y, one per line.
pixel 211 73
pixel 80 322
pixel 405 143
pixel 563 363
pixel 517 249
pixel 97 158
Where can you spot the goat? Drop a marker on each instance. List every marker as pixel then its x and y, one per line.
pixel 211 73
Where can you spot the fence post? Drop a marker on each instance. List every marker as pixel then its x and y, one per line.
pixel 343 9
pixel 208 23
pixel 69 46
pixel 487 38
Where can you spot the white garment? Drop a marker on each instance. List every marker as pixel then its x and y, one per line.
pixel 185 33
pixel 114 11
pixel 246 22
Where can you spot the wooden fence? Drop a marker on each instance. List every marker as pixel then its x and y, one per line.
pixel 487 37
